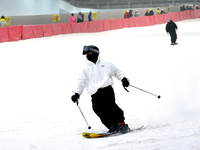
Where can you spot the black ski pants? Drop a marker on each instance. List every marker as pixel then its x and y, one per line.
pixel 103 103
pixel 173 37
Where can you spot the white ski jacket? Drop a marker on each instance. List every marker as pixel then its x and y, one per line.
pixel 96 76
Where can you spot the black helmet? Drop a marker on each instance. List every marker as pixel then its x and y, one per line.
pixel 90 48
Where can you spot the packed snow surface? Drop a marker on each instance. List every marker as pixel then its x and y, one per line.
pixel 38 76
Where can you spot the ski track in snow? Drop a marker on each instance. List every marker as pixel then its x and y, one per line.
pixel 38 76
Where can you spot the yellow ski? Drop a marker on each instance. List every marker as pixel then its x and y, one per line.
pixel 101 135
pixel 95 135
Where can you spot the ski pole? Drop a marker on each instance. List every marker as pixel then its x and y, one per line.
pixel 158 96
pixel 89 127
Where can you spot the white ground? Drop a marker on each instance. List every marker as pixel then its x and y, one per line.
pixel 37 77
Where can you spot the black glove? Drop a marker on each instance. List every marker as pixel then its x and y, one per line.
pixel 125 83
pixel 75 97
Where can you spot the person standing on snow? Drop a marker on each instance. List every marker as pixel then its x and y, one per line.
pixel 130 13
pixel 151 12
pixel 90 16
pixel 158 11
pixel 97 78
pixel 80 17
pixel 2 22
pixel 127 15
pixel 136 14
pixel 162 12
pixel 72 20
pixel 171 29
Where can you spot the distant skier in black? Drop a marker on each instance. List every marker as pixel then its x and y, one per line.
pixel 151 12
pixel 97 78
pixel 171 29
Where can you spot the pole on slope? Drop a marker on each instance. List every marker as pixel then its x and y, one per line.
pixel 89 127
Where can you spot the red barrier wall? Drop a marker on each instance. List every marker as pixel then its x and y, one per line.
pixel 38 31
pixel 67 29
pixel 58 29
pixel 92 26
pixel 48 30
pixel 126 23
pixel 197 14
pixel 15 33
pixel 76 27
pixel 85 27
pixel 113 24
pixel 101 25
pixel 119 23
pixel 27 32
pixel 144 21
pixel 4 34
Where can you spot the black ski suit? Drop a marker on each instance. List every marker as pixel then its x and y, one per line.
pixel 171 28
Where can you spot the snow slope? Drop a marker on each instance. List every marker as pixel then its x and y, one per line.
pixel 38 76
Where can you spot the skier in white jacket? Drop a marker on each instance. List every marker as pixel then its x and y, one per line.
pixel 97 78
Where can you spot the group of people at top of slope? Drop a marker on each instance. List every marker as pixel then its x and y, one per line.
pixel 189 7
pixel 150 12
pixel 80 18
pixel 129 14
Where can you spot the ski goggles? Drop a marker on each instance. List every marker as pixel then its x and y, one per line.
pixel 87 49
